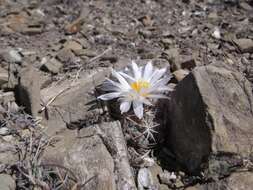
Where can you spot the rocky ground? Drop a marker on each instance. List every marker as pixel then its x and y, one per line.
pixel 55 134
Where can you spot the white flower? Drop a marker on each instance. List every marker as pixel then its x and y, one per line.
pixel 137 88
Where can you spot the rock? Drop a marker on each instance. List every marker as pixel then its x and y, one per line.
pixel 213 16
pixel 237 181
pixel 173 57
pixel 72 45
pixel 3 77
pixel 4 131
pixel 146 20
pixel 72 97
pixel 12 77
pixel 7 97
pixel 155 170
pixel 65 56
pixel 53 66
pixel 85 155
pixel 187 62
pixel 7 182
pixel 245 6
pixel 196 187
pixel 113 137
pixel 8 154
pixel 180 74
pixel 74 27
pixel 89 157
pixel 216 33
pixel 167 42
pixel 11 56
pixel 144 179
pixel 231 2
pixel 33 29
pixel 27 92
pixel 98 150
pixel 245 45
pixel 210 111
pixel 163 187
pixel 168 178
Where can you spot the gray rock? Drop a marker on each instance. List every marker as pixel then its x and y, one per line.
pixel 65 56
pixel 237 181
pixel 71 97
pixel 89 157
pixel 113 137
pixel 3 77
pixel 7 182
pixel 11 55
pixel 210 111
pixel 245 45
pixel 173 57
pixel 245 6
pixel 28 90
pixel 4 131
pixel 144 179
pixel 98 150
pixel 8 154
pixel 53 66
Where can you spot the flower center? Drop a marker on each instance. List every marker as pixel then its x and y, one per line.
pixel 140 84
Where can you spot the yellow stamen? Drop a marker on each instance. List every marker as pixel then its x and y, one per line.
pixel 140 84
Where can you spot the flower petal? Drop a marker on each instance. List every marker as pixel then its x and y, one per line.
pixel 121 79
pixel 127 76
pixel 157 96
pixel 109 96
pixel 157 75
pixel 146 101
pixel 136 71
pixel 162 89
pixel 138 109
pixel 110 85
pixel 159 84
pixel 125 106
pixel 148 70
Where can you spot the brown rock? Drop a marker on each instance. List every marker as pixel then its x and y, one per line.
pixel 173 57
pixel 3 77
pixel 72 45
pixel 245 45
pixel 74 27
pixel 27 92
pixel 237 181
pixel 210 111
pixel 180 74
pixel 188 62
pixel 146 20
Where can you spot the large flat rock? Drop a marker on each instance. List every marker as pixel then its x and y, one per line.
pixel 97 152
pixel 210 112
